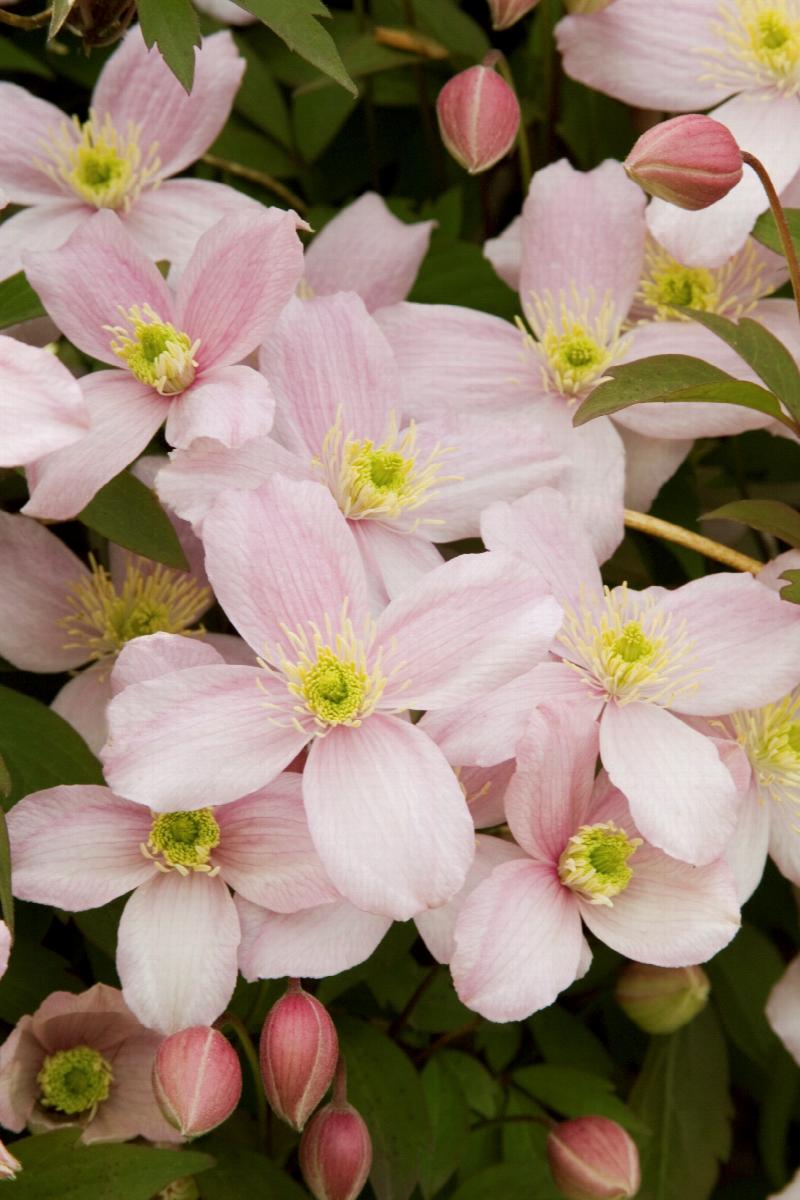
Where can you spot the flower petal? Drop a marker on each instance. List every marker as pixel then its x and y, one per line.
pixel 83 701
pixel 159 654
pixel 746 852
pixel 42 407
pixel 43 227
pixel 649 463
pixel 393 561
pixel 231 404
pixel 26 126
pixel 504 252
pixel 783 1008
pixel 131 1109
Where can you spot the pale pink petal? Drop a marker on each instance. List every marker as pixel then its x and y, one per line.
pixel 124 416
pixel 791 1191
pixel 233 649
pixel 770 575
pixel 780 318
pixel 327 357
pixel 484 789
pixel 393 561
pixel 5 947
pixel 41 409
pixel 83 702
pixel 99 1015
pixel 518 942
pixel 242 273
pixel 469 626
pixel 21 1057
pixel 649 463
pixel 746 852
pixel 583 238
pixel 44 227
pixel 77 847
pixel 137 86
pixel 746 643
pixel 37 574
pixel 682 797
pixel 387 817
pixel 282 555
pixel 367 250
pixel 784 838
pixel 783 1008
pixel 82 303
pixel 26 125
pixel 596 484
pixel 437 925
pixel 266 853
pixel 548 797
pixel 312 943
pixel 131 1109
pixel 504 252
pixel 230 404
pixel 764 124
pixel 644 52
pixel 177 949
pixel 199 736
pixel 159 654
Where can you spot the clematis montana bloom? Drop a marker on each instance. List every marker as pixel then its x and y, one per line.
pixel 385 810
pixel 518 936
pixel 179 349
pixel 142 128
pixel 41 405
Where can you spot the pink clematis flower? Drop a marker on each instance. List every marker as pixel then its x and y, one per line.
pixel 518 937
pixel 402 486
pixel 82 1060
pixel 385 810
pixel 179 350
pixel 142 128
pixel 684 55
pixel 41 405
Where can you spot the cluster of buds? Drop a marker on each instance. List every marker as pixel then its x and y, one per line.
pixel 593 1158
pixel 335 1149
pixel 479 116
pixel 662 999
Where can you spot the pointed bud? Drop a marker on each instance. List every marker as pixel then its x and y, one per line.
pixel 662 999
pixel 9 1166
pixel 478 118
pixel 593 1158
pixel 298 1053
pixel 335 1149
pixel 691 161
pixel 506 13
pixel 587 6
pixel 197 1079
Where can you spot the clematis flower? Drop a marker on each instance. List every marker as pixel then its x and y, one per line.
pixel 518 936
pixel 385 810
pixel 687 55
pixel 142 128
pixel 643 664
pixel 178 351
pixel 82 1060
pixel 402 486
pixel 41 405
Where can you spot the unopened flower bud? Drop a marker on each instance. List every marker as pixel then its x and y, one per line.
pixel 197 1079
pixel 691 161
pixel 9 1166
pixel 506 13
pixel 478 118
pixel 662 999
pixel 298 1052
pixel 335 1149
pixel 587 6
pixel 593 1158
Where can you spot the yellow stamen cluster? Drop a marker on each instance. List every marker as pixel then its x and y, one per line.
pixel 770 737
pixel 628 649
pixel 575 339
pixel 183 841
pixel 380 481
pixel 74 1081
pixel 594 862
pixel 732 290
pixel 102 619
pixel 155 351
pixel 98 164
pixel 761 46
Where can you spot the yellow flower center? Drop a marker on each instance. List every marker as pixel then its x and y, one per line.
pixel 100 166
pixel 574 340
pixel 183 841
pixel 770 737
pixel 732 290
pixel 762 45
pixel 155 351
pixel 102 619
pixel 594 862
pixel 74 1081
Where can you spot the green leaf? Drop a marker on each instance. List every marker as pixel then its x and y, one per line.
pixel 6 895
pixel 671 378
pixel 766 231
pixel 768 516
pixel 449 1116
pixel 260 99
pixel 483 1094
pixel 174 26
pixel 33 973
pixel 575 1093
pixel 742 976
pixel 317 117
pixel 761 350
pixel 512 1181
pixel 387 1091
pixel 39 748
pixel 13 58
pixel 18 301
pixel 682 1095
pixel 294 21
pixel 565 1040
pixel 455 268
pixel 241 1173
pixel 60 11
pixel 791 592
pixel 53 1165
pixel 128 513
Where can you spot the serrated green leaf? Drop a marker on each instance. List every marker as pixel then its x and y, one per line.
pixel 682 1095
pixel 791 592
pixel 60 11
pixel 574 1093
pixel 449 1117
pixel 294 21
pixel 173 26
pixel 18 301
pixel 128 513
pixel 768 516
pixel 483 1094
pixel 766 231
pixel 39 748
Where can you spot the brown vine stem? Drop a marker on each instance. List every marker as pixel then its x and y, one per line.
pixel 33 22
pixel 780 221
pixel 693 541
pixel 266 181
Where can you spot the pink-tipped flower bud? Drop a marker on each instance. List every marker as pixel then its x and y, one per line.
pixel 662 999
pixel 691 161
pixel 478 118
pixel 298 1052
pixel 593 1158
pixel 335 1149
pixel 506 13
pixel 9 1166
pixel 197 1079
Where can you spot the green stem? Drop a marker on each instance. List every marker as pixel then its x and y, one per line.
pixel 233 1022
pixel 780 221
pixel 523 146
